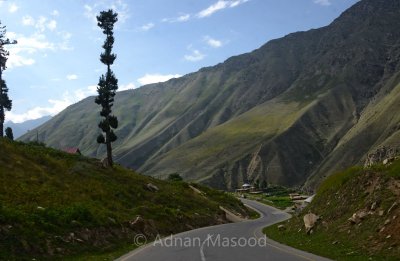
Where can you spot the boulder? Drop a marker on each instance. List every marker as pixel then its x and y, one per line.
pixel 310 220
pixel 151 187
pixel 137 224
pixel 357 217
pixel 374 205
pixel 104 163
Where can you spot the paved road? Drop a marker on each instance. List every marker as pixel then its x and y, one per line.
pixel 234 241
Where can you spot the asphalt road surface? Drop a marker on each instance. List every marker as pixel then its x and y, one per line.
pixel 234 241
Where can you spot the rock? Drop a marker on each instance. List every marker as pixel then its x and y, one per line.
pixel 358 216
pixel 138 223
pixel 392 207
pixel 281 227
pixel 388 236
pixel 151 187
pixel 335 242
pixel 40 208
pixel 374 205
pixel 74 222
pixel 104 163
pixel 387 221
pixel 25 245
pixel 309 221
pixel 381 212
pixel 385 161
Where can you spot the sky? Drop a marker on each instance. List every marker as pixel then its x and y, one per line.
pixel 56 61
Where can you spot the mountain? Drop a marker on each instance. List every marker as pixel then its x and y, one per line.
pixel 291 112
pixel 20 129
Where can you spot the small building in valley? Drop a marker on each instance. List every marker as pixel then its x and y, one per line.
pixel 72 151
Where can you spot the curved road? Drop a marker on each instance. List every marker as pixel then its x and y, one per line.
pixel 234 241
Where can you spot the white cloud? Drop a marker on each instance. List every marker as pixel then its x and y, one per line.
pixel 154 78
pixel 128 86
pixel 90 13
pixel 28 20
pixel 81 94
pixel 64 44
pixel 195 56
pixel 119 6
pixel 213 42
pixel 28 45
pixel 322 2
pixel 71 77
pixel 55 13
pixel 52 25
pixel 181 18
pixel 56 105
pixel 41 24
pixel 220 5
pixel 16 60
pixel 12 8
pixel 146 27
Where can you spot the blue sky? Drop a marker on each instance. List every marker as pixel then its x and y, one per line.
pixel 56 61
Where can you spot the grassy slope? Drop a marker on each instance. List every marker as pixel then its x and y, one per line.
pixel 337 199
pixel 45 195
pixel 378 126
pixel 229 141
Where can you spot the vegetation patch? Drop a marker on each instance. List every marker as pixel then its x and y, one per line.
pixel 55 205
pixel 359 216
pixel 275 196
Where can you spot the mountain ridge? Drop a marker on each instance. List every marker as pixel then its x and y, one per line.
pixel 331 74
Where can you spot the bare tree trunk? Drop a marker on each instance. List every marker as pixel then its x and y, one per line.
pixel 1 107
pixel 109 150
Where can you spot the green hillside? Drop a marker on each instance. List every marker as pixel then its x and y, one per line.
pixel 373 195
pixel 55 205
pixel 291 112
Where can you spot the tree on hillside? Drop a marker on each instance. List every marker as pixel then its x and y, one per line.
pixel 5 102
pixel 108 84
pixel 9 133
pixel 174 177
pixel 264 184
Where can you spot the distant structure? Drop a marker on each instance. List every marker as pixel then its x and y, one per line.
pixel 72 151
pixel 245 188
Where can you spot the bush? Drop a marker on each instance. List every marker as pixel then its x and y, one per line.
pixel 175 177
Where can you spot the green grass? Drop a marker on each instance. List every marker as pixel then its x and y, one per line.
pixel 228 141
pixel 46 194
pixel 278 197
pixel 280 202
pixel 337 199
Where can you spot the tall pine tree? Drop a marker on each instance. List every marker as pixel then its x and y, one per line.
pixel 5 102
pixel 108 83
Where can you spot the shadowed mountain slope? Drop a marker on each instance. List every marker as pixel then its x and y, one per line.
pixel 293 109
